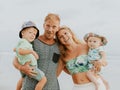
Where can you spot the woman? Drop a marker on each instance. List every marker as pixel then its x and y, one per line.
pixel 74 60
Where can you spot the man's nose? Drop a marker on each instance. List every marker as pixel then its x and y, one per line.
pixel 50 29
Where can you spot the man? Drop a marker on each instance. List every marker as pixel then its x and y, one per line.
pixel 46 47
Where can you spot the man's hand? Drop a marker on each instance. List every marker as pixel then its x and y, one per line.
pixel 27 69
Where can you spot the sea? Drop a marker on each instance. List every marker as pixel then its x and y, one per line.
pixel 9 75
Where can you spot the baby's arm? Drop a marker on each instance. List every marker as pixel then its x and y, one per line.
pixel 103 58
pixel 27 51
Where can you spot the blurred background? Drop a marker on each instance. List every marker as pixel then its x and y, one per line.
pixel 82 16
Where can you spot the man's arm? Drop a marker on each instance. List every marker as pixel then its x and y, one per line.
pixel 24 68
pixel 60 67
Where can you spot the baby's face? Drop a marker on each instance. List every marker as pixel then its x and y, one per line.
pixel 94 42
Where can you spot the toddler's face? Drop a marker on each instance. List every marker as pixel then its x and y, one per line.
pixel 29 34
pixel 94 42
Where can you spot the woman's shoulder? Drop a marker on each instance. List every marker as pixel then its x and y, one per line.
pixel 83 44
pixel 83 47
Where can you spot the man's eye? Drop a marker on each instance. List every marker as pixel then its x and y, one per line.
pixel 54 27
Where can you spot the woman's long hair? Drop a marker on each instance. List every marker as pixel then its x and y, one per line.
pixel 61 46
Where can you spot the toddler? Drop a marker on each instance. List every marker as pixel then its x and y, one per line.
pixel 25 53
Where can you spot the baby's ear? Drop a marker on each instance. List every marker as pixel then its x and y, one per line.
pixel 104 41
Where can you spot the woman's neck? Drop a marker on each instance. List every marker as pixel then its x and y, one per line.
pixel 72 47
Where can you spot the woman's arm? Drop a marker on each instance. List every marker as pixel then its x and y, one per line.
pixel 66 71
pixel 60 67
pixel 24 68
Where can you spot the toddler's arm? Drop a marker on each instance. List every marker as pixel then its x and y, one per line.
pixel 27 51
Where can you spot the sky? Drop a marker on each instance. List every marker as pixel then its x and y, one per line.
pixel 82 16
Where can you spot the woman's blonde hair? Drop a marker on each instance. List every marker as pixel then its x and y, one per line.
pixel 61 46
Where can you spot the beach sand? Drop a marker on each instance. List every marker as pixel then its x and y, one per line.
pixel 9 75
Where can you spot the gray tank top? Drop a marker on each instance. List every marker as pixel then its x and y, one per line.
pixel 47 62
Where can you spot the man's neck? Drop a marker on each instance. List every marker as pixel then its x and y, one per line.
pixel 45 40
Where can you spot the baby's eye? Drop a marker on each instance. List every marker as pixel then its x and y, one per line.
pixel 65 33
pixel 30 32
pixel 94 41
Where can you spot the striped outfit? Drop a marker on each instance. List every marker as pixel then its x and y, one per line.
pixel 47 62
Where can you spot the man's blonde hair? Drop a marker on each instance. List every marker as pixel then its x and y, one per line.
pixel 52 17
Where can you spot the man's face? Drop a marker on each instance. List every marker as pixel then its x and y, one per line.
pixel 51 27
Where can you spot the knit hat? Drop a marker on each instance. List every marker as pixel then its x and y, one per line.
pixel 28 24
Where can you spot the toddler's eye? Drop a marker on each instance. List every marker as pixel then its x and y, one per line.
pixel 94 41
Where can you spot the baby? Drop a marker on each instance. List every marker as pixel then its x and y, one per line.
pixel 96 52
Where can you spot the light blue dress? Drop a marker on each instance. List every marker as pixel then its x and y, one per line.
pixel 94 54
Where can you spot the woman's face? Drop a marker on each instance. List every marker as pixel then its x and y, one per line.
pixel 64 36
